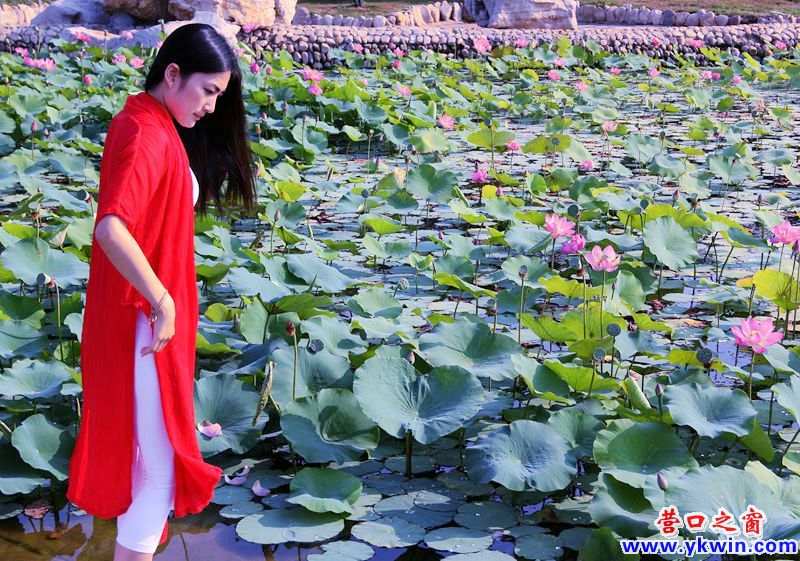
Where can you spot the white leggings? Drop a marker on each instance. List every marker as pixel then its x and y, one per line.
pixel 153 486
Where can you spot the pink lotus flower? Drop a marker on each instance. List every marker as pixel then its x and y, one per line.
pixel 513 145
pixel 254 68
pixel 587 165
pixel 41 63
pixel 137 62
pixel 479 175
pixel 716 75
pixel 785 233
pixel 127 35
pixel 308 73
pixel 696 43
pixel 552 74
pixel 705 74
pixel 521 42
pixel 758 335
pixel 268 70
pixel 446 121
pixel 616 71
pixel 358 47
pixel 581 86
pixel 403 90
pixel 780 45
pixel 559 226
pixel 395 64
pixel 314 89
pixel 21 51
pixel 736 79
pixel 87 80
pixel 559 62
pixel 118 58
pixel 500 193
pixel 609 126
pixel 482 45
pixel 398 51
pixel 209 429
pixel 575 244
pixel 364 81
pixel 603 260
pixel 81 37
pixel 655 42
pixel 654 72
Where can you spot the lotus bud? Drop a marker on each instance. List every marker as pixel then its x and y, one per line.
pixel 305 119
pixel 46 133
pixel 581 271
pixel 370 132
pixel 662 481
pixel 411 357
pixel 760 199
pixel 263 115
pixel 290 330
pixel 277 215
pixel 34 126
pixel 659 390
pixel 441 235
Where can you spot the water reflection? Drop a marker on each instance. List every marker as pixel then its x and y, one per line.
pixel 199 537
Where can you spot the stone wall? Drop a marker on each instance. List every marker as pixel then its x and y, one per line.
pixel 20 14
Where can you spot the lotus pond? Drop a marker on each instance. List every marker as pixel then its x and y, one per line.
pixel 503 308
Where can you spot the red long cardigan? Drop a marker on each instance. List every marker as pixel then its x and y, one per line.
pixel 145 180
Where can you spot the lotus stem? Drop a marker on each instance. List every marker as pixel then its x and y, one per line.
pixel 409 446
pixel 750 377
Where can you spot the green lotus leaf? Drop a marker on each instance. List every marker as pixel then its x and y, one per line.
pixel 428 182
pixel 471 345
pixel 30 256
pixel 279 526
pixel 44 445
pixel 329 426
pixel 710 411
pixel 523 455
pixel 670 242
pixel 324 490
pixel 626 450
pixel 312 269
pixel 232 403
pixel 34 379
pixel 399 399
pixel 315 371
pixel 389 532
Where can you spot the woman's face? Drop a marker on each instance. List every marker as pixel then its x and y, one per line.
pixel 190 98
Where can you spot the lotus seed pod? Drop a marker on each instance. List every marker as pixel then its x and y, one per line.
pixel 315 345
pixel 403 284
pixel 613 329
pixel 644 203
pixel 523 272
pixel 662 481
pixel 599 354
pixel 573 211
pixel 704 355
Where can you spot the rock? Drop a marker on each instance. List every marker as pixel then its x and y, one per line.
pixel 655 17
pixel 632 17
pixel 457 11
pixel 347 21
pixel 533 14
pixel 706 18
pixel 67 12
pixel 427 18
pixel 611 14
pixel 681 17
pixel 692 20
pixel 327 19
pixel 302 16
pixel 644 16
pixel 250 12
pixel 418 18
pixel 284 11
pixel 391 20
pixel 734 20
pixel 434 11
pixel 445 11
pixel 149 36
pixel 668 18
pixel 599 14
pixel 120 21
pixel 379 21
pixel 721 19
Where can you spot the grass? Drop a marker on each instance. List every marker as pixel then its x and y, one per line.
pixel 729 7
pixel 370 7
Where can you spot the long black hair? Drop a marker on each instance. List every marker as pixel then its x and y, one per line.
pixel 217 145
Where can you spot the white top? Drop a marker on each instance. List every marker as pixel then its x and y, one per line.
pixel 195 187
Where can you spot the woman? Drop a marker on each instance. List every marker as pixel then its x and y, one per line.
pixel 136 456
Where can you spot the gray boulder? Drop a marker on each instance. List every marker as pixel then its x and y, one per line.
pixel 65 12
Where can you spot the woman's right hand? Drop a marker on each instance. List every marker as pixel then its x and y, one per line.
pixel 163 327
